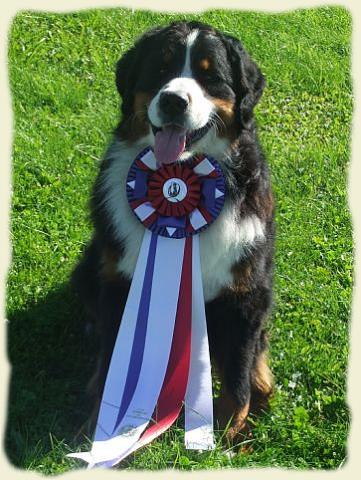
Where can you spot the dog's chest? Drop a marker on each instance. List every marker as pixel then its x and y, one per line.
pixel 221 245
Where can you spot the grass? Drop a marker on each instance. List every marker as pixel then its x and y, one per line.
pixel 61 70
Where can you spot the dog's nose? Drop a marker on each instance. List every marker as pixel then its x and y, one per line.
pixel 173 104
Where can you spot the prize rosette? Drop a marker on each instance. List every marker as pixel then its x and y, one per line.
pixel 175 200
pixel 160 361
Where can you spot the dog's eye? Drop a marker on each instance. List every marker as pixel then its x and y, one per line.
pixel 207 73
pixel 167 56
pixel 165 62
pixel 212 77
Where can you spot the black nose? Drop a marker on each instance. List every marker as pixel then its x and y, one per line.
pixel 173 103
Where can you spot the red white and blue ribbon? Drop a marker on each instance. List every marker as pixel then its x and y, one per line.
pixel 160 361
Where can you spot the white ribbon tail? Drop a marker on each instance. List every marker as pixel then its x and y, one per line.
pixel 198 400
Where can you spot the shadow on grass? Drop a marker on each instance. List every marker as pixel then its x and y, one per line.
pixel 52 358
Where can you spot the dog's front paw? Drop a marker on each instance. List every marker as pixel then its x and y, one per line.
pixel 238 438
pixel 232 421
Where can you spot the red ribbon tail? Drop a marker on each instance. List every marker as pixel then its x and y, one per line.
pixel 174 387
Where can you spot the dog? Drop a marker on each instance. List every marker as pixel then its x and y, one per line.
pixel 188 88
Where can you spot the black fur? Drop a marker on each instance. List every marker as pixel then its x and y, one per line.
pixel 236 318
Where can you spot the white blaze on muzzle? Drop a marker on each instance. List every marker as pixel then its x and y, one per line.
pixel 170 141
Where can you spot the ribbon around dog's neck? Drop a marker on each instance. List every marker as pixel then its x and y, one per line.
pixel 160 360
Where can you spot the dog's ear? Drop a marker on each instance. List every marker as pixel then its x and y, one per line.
pixel 127 70
pixel 124 79
pixel 249 81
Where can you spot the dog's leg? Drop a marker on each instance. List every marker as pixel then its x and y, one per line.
pixel 85 282
pixel 112 298
pixel 235 326
pixel 103 293
pixel 261 377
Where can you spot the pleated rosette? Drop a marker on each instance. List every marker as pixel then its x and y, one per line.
pixel 175 200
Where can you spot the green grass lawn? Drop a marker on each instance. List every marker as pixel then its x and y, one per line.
pixel 66 105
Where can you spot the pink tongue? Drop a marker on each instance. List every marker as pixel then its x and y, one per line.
pixel 170 142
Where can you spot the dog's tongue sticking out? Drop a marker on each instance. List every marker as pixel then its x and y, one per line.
pixel 170 142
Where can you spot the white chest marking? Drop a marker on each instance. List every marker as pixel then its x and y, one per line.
pixel 221 245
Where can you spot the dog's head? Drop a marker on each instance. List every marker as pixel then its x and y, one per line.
pixel 184 86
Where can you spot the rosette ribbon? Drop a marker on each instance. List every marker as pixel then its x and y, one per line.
pixel 160 361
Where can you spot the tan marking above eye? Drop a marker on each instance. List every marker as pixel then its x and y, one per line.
pixel 205 64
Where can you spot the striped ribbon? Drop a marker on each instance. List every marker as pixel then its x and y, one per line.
pixel 160 360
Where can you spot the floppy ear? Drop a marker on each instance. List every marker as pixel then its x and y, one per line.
pixel 125 77
pixel 249 81
pixel 124 70
pixel 127 70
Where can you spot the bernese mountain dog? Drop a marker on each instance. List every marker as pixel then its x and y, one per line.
pixel 188 88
